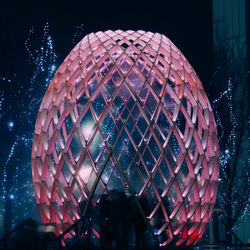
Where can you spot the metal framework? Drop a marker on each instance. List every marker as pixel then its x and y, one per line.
pixel 125 110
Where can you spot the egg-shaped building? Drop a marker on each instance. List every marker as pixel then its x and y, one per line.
pixel 126 112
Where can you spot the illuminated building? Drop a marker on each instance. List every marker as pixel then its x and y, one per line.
pixel 126 111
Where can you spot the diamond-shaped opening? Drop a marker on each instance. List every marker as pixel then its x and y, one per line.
pixel 151 103
pixel 85 170
pixel 60 137
pixel 140 63
pixel 124 93
pixel 119 147
pixel 92 84
pixel 169 102
pixel 81 102
pixel 124 64
pixel 184 171
pixel 124 45
pixel 136 112
pixel 172 198
pixel 192 148
pixel 70 161
pixel 182 124
pixel 148 159
pixel 113 136
pixel 98 105
pixel 101 159
pixel 110 87
pixel 180 181
pixel 158 134
pixel 135 80
pixel 77 193
pixel 66 173
pixel 105 94
pixel 131 102
pixel 156 151
pixel 193 201
pixel 202 132
pixel 89 64
pixel 159 181
pixel 163 123
pixel 114 112
pixel 116 77
pixel 91 181
pixel 57 147
pixel 106 174
pixel 174 145
pixel 124 136
pixel 119 103
pixel 146 112
pixel 142 124
pixel 115 182
pixel 157 86
pixel 87 125
pixel 136 182
pixel 115 52
pixel 125 159
pixel 68 124
pixel 149 53
pixel 170 157
pixel 144 93
pixel 51 166
pixel 133 53
pixel 76 147
pixel 119 124
pixel 136 136
pixel 125 114
pixel 141 170
pixel 96 146
pixel 164 169
pixel 99 191
pixel 105 67
pixel 130 124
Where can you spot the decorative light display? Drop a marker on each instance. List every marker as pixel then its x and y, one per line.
pixel 126 111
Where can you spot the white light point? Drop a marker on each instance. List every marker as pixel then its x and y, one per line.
pixel 87 129
pixel 10 125
pixel 85 173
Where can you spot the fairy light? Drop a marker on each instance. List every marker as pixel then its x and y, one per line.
pixel 228 140
pixel 16 180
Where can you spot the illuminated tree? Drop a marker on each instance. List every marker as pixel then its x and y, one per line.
pixel 231 111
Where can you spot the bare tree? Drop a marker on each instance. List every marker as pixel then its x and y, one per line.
pixel 231 81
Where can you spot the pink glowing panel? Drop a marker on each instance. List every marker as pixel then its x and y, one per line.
pixel 125 110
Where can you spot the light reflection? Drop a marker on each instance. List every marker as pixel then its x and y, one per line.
pixel 87 129
pixel 85 173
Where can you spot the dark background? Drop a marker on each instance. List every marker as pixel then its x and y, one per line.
pixel 187 23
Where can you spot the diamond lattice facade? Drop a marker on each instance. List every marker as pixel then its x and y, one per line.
pixel 126 111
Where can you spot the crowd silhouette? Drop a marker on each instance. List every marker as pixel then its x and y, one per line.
pixel 120 220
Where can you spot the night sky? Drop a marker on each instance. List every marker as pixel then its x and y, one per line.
pixel 23 79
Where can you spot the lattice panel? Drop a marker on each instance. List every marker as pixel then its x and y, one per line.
pixel 125 110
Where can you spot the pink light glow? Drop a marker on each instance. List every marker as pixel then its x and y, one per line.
pixel 127 108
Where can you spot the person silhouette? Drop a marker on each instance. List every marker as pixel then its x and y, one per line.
pixel 140 224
